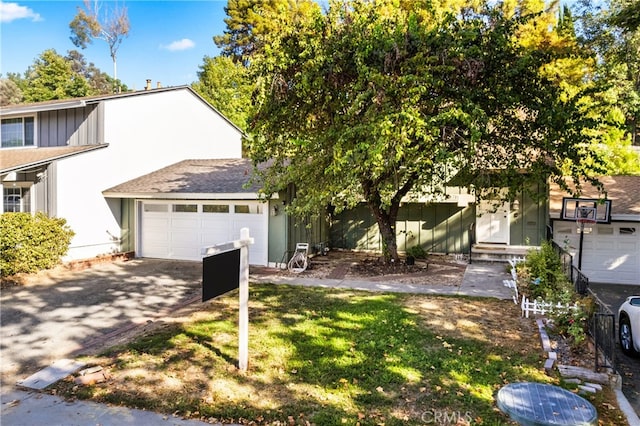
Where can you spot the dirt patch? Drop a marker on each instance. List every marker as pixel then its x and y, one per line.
pixel 356 266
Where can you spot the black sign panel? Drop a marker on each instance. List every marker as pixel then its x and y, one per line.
pixel 220 274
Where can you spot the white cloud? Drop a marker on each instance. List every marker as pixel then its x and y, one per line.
pixel 11 11
pixel 178 45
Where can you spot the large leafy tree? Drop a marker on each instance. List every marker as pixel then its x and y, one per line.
pixel 628 16
pixel 375 102
pixel 225 85
pixel 112 26
pixel 249 20
pixel 100 82
pixel 52 77
pixel 10 92
pixel 610 31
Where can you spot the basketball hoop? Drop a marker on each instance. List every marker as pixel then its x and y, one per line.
pixel 586 217
pixel 585 225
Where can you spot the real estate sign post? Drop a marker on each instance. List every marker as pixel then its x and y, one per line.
pixel 225 267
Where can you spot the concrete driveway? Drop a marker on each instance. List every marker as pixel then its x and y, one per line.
pixel 613 295
pixel 65 313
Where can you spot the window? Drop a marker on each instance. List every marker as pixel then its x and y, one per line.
pixel 627 231
pixel 560 230
pixel 605 230
pixel 16 200
pixel 215 208
pixel 157 208
pixel 18 132
pixel 185 208
pixel 248 209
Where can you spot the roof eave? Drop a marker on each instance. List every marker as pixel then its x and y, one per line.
pixel 39 163
pixel 39 107
pixel 182 195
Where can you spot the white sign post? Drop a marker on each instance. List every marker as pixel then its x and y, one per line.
pixel 243 316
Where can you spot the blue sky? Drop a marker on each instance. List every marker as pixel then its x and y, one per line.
pixel 166 43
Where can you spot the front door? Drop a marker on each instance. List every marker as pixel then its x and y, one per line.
pixel 492 226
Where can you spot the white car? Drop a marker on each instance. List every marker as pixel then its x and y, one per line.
pixel 629 325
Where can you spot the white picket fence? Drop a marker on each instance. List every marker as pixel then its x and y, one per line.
pixel 529 307
pixel 513 282
pixel 541 307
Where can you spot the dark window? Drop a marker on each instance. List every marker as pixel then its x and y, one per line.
pixel 18 132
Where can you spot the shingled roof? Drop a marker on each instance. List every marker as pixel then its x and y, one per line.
pixel 623 191
pixel 20 159
pixel 198 179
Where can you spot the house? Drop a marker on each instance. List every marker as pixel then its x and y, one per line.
pixel 611 246
pixel 451 223
pixel 60 157
pixel 159 173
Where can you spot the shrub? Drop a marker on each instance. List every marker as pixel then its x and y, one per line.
pixel 417 252
pixel 574 322
pixel 31 243
pixel 541 275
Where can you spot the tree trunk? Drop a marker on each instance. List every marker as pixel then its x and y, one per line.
pixel 387 226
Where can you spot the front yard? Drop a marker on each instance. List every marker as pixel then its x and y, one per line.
pixel 332 357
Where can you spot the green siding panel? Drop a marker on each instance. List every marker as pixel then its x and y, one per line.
pixel 127 239
pixel 438 228
pixel 286 231
pixel 277 232
pixel 529 226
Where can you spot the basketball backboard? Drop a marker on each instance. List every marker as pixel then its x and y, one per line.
pixel 588 208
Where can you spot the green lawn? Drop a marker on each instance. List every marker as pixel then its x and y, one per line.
pixel 329 357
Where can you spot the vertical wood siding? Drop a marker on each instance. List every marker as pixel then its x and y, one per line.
pixel 438 228
pixel 127 225
pixel 528 228
pixel 314 231
pixel 77 126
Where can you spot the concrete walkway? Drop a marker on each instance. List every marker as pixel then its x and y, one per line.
pixel 480 280
pixel 38 409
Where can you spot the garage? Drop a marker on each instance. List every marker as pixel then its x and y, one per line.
pixel 611 247
pixel 173 212
pixel 178 229
pixel 610 252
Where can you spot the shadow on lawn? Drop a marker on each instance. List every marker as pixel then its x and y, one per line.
pixel 331 357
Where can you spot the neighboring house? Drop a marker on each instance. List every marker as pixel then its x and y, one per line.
pixel 450 224
pixel 611 251
pixel 60 156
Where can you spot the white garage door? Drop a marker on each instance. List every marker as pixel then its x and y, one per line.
pixel 179 229
pixel 611 252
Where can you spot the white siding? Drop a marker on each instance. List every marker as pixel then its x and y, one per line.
pixel 144 133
